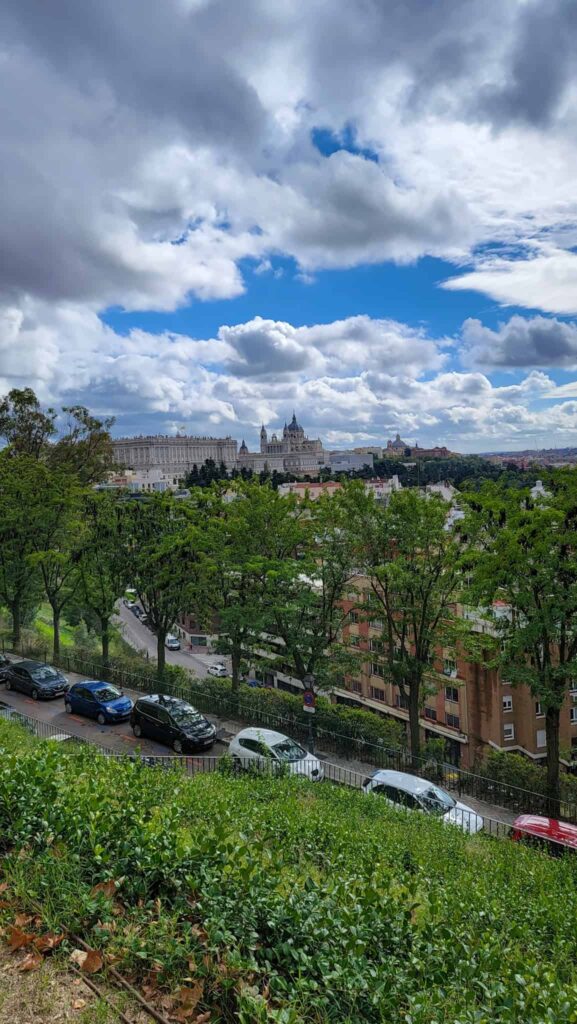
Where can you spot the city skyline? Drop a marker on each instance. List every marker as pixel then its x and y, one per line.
pixel 363 210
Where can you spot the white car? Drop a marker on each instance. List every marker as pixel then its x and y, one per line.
pixel 217 670
pixel 415 794
pixel 172 643
pixel 265 747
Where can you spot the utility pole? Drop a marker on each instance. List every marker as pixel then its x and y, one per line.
pixel 309 700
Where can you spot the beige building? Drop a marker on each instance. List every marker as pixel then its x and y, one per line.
pixel 176 455
pixel 293 452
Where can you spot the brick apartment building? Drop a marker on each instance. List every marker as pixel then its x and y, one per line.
pixel 470 707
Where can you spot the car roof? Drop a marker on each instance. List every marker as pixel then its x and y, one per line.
pixel 403 780
pixel 35 664
pixel 548 828
pixel 269 736
pixel 93 684
pixel 164 700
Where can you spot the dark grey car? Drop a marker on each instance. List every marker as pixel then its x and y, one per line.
pixel 37 680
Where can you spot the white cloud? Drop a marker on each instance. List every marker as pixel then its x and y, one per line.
pixel 547 280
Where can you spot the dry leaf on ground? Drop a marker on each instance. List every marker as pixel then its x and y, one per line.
pixel 107 889
pixel 17 938
pixel 31 962
pixel 89 961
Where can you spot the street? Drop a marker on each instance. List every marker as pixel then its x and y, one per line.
pixel 141 638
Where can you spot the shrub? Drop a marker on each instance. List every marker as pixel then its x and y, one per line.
pixel 289 902
pixel 515 770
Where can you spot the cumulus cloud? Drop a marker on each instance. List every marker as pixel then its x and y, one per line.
pixel 521 343
pixel 547 280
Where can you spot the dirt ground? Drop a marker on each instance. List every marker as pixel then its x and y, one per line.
pixel 53 995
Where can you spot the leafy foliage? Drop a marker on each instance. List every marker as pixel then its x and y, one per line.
pixel 282 901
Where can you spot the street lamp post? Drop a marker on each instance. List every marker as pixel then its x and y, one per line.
pixel 309 698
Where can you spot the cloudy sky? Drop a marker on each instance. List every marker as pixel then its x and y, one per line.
pixel 213 212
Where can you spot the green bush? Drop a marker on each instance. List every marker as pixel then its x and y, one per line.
pixel 515 770
pixel 289 902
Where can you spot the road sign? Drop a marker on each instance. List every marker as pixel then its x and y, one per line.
pixel 309 701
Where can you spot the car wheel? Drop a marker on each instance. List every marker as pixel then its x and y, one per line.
pixel 8 684
pixel 100 718
pixel 137 730
pixel 68 707
pixel 177 746
pixel 34 694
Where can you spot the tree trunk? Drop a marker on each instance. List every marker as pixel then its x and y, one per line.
pixel 56 630
pixel 160 653
pixel 235 658
pixel 16 622
pixel 553 782
pixel 414 727
pixel 105 640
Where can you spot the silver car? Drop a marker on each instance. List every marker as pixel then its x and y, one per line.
pixel 269 749
pixel 415 794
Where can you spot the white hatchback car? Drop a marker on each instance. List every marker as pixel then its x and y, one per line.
pixel 267 747
pixel 217 670
pixel 416 794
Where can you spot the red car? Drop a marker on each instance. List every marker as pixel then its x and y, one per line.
pixel 545 832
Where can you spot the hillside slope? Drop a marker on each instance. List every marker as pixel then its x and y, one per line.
pixel 284 901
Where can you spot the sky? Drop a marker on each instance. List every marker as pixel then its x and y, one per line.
pixel 214 213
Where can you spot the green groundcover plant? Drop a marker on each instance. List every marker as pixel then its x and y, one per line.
pixel 277 900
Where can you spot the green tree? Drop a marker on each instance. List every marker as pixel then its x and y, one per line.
pixel 56 536
pixel 235 542
pixel 313 565
pixel 102 562
pixel 85 448
pixel 160 568
pixel 22 482
pixel 413 561
pixel 527 557
pixel 23 424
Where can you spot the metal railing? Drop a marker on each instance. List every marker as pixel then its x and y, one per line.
pixel 326 740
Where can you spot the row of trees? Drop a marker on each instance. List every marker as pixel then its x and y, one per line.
pixel 285 578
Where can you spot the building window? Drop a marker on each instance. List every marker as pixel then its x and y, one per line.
pixel 401 701
pixel 539 710
pixel 376 623
pixel 354 616
pixel 507 703
pixel 573 715
pixel 377 670
pixel 573 695
pixel 508 732
pixel 450 668
pixel 376 693
pixel 431 714
pixel 452 694
pixel 453 721
pixel 376 646
pixel 541 738
pixel 356 686
pixel 354 640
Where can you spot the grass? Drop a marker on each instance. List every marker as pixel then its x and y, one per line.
pixel 283 901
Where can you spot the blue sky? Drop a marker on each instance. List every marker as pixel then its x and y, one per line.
pixel 215 214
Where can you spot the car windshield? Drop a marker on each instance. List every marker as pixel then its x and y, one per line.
pixel 44 674
pixel 185 715
pixel 104 693
pixel 436 801
pixel 289 750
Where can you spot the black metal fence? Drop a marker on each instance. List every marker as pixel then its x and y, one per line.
pixel 326 742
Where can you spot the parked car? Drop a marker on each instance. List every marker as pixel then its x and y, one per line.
pixel 415 794
pixel 98 700
pixel 545 833
pixel 36 679
pixel 266 748
pixel 173 722
pixel 4 667
pixel 136 610
pixel 172 643
pixel 217 670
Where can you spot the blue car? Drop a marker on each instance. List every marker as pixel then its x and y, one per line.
pixel 98 700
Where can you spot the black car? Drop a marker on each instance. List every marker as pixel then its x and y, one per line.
pixel 173 722
pixel 36 679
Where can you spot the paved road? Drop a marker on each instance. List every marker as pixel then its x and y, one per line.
pixel 139 637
